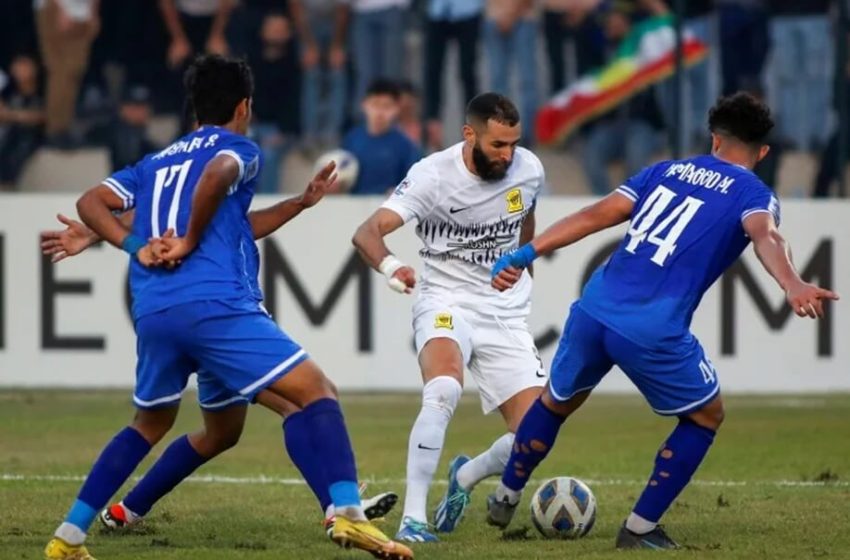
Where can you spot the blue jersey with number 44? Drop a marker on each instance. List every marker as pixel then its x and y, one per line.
pixel 160 188
pixel 685 230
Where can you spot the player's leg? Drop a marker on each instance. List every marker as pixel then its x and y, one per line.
pixel 443 340
pixel 160 379
pixel 224 418
pixel 579 365
pixel 251 354
pixel 510 376
pixel 677 381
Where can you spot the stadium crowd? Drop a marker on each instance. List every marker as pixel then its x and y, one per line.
pixel 329 73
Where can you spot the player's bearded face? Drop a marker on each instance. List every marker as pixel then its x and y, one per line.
pixel 489 169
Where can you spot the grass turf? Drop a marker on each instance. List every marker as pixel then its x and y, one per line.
pixel 773 486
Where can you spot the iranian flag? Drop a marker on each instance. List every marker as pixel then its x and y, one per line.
pixel 646 56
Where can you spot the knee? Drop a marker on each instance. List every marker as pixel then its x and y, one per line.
pixel 211 444
pixel 153 425
pixel 710 416
pixel 442 394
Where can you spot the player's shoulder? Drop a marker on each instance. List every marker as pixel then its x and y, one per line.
pixel 233 140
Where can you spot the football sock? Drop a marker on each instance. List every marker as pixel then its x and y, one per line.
pixel 296 439
pixel 177 462
pixel 489 463
pixel 116 463
pixel 675 464
pixel 534 438
pixel 439 400
pixel 325 427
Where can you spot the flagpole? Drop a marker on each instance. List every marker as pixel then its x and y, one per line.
pixel 678 79
pixel 841 71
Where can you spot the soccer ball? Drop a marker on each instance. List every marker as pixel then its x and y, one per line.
pixel 347 167
pixel 563 508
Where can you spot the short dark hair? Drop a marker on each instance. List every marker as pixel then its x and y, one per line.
pixel 492 106
pixel 383 86
pixel 741 116
pixel 216 85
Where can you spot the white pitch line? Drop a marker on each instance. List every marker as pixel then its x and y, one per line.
pixel 262 480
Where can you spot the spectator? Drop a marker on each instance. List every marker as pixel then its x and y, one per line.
pixel 382 150
pixel 195 27
pixel 129 140
pixel 377 28
pixel 801 69
pixel 448 20
pixel 699 88
pixel 630 131
pixel 276 100
pixel 17 30
pixel 21 119
pixel 510 37
pixel 66 29
pixel 247 18
pixel 409 117
pixel 571 20
pixel 828 170
pixel 321 26
pixel 744 44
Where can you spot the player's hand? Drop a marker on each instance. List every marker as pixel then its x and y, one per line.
pixel 506 278
pixel 173 249
pixel 323 183
pixel 217 44
pixel 403 280
pixel 178 51
pixel 519 259
pixel 310 56
pixel 73 240
pixel 807 299
pixel 336 57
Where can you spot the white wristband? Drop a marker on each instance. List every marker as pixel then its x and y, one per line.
pixel 390 266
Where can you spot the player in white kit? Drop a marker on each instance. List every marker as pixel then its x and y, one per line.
pixel 473 202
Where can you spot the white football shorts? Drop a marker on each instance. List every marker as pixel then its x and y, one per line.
pixel 499 352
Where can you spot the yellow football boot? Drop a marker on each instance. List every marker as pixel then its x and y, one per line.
pixel 365 536
pixel 57 549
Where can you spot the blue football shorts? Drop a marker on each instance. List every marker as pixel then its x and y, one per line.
pixel 236 348
pixel 675 380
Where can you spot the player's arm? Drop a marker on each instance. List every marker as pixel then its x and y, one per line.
pixel 268 220
pixel 220 173
pixel 612 210
pixel 369 241
pixel 97 209
pixel 75 238
pixel 526 233
pixel 775 255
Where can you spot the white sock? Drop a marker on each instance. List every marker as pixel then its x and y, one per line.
pixel 439 400
pixel 329 512
pixel 71 534
pixel 637 524
pixel 489 463
pixel 503 492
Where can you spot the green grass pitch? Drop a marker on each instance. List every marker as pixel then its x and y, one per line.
pixel 775 484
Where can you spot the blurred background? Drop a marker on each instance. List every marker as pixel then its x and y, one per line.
pixel 89 86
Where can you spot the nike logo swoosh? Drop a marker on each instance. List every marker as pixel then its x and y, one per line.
pixel 453 210
pixel 540 374
pixel 420 446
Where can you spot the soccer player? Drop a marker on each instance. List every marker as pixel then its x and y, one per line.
pixel 203 315
pixel 473 203
pixel 690 220
pixel 76 238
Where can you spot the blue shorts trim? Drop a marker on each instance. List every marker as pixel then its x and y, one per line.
pixel 156 403
pixel 688 408
pixel 279 371
pixel 238 399
pixel 559 398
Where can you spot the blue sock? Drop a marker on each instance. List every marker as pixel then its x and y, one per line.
pixel 177 462
pixel 534 438
pixel 326 430
pixel 116 463
pixel 296 438
pixel 675 464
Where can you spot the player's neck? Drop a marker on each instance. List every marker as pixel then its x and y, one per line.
pixel 735 157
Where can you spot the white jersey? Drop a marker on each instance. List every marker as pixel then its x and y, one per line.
pixel 466 224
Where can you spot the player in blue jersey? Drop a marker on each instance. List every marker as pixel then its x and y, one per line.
pixel 690 220
pixel 203 316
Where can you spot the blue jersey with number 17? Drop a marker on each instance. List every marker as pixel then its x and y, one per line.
pixel 160 188
pixel 685 230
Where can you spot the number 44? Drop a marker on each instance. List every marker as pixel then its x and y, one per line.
pixel 656 205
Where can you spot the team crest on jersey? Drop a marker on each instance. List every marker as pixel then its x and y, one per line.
pixel 399 190
pixel 443 321
pixel 514 198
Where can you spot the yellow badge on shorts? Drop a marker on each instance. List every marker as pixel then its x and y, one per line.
pixel 514 198
pixel 443 321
